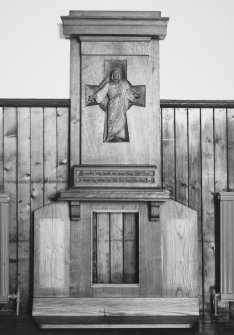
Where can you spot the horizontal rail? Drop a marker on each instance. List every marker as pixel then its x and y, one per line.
pixel 34 102
pixel 164 103
pixel 197 103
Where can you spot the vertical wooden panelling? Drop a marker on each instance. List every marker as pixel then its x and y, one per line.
pixel 230 163
pixel 116 246
pixel 81 245
pixel 1 151
pixel 103 248
pixel 24 226
pixel 207 143
pixel 227 235
pixel 10 187
pixel 94 249
pixel 4 247
pixel 74 268
pixel 75 102
pixel 50 154
pixel 220 174
pixel 168 149
pixel 189 171
pixel 220 141
pixel 230 139
pixel 181 155
pixel 74 154
pixel 154 103
pixel 130 248
pixel 37 171
pixel 62 148
pixel 150 273
pixel 22 175
pixel 194 181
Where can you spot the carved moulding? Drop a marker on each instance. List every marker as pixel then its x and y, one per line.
pixel 76 196
pixel 105 183
pixel 117 23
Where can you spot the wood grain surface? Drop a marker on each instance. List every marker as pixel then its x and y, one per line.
pixel 208 200
pixel 114 307
pixel 10 179
pixel 205 166
pixel 23 202
pixel 195 184
pixel 52 250
pixel 230 147
pixel 168 149
pixel 180 250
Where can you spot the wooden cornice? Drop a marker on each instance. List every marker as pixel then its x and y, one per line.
pixel 115 23
pixel 114 194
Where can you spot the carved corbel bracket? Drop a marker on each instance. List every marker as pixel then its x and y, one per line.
pixel 75 210
pixel 154 211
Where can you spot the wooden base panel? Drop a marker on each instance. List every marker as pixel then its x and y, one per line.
pixel 115 322
pixel 115 313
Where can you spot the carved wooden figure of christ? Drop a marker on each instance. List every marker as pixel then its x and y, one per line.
pixel 115 95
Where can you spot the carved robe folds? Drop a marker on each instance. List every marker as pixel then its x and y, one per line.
pixel 120 95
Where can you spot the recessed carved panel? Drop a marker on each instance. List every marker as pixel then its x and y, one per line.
pixel 115 95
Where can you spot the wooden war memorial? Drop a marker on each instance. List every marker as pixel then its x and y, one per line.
pixel 114 250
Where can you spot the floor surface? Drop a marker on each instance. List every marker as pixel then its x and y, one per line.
pixel 24 325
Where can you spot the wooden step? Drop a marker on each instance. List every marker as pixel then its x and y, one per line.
pixel 115 312
pixel 90 322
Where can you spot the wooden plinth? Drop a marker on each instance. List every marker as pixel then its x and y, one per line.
pixel 115 322
pixel 115 313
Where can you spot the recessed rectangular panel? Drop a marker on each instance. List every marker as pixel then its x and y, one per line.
pixel 103 248
pixel 115 246
pixel 52 265
pixel 131 259
pixel 179 250
pixel 104 139
pixel 113 48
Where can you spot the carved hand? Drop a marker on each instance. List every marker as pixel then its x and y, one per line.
pixel 91 98
pixel 136 95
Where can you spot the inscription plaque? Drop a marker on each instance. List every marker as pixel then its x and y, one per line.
pixel 114 176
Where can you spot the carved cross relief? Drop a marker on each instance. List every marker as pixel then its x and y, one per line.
pixel 115 95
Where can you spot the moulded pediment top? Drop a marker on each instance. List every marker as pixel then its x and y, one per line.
pixel 114 23
pixel 85 14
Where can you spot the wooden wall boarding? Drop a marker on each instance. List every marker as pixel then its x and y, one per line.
pixel 21 238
